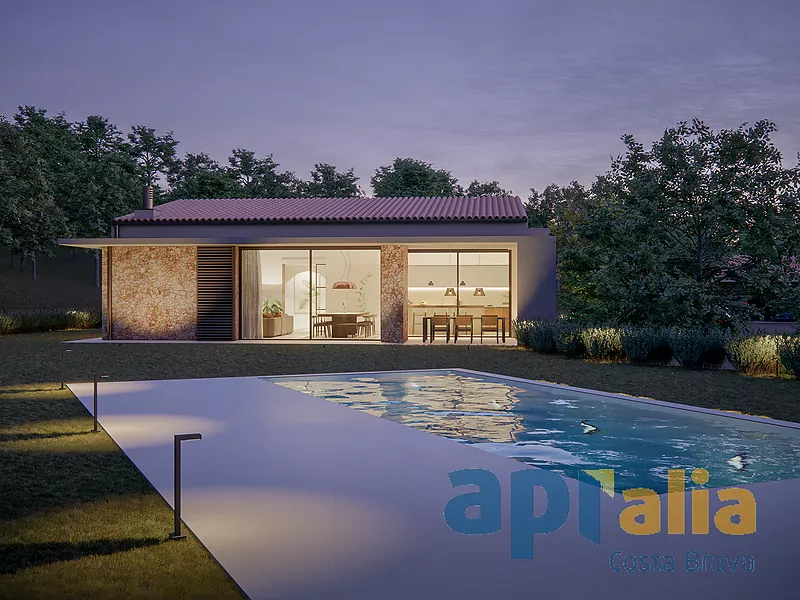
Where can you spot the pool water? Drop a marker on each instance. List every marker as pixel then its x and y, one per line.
pixel 541 425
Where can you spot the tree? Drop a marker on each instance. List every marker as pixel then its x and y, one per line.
pixel 200 176
pixel 30 219
pixel 660 238
pixel 51 142
pixel 154 154
pixel 491 188
pixel 327 182
pixel 411 177
pixel 259 178
pixel 108 179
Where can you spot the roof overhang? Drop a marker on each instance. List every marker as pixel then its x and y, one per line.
pixel 99 243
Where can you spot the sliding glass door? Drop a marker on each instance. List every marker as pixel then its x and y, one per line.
pixel 485 285
pixel 304 293
pixel 346 302
pixel 274 294
pixel 458 282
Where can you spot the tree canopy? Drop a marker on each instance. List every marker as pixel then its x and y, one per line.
pixel 699 229
pixel 490 188
pixel 411 177
pixel 327 182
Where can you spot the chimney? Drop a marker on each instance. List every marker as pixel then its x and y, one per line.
pixel 148 198
pixel 147 211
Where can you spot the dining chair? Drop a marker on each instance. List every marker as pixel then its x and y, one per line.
pixel 440 323
pixel 463 323
pixel 367 325
pixel 322 325
pixel 416 319
pixel 490 324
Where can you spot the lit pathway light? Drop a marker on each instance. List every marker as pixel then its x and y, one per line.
pixel 63 352
pixel 95 377
pixel 180 437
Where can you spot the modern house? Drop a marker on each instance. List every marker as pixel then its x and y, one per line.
pixel 320 268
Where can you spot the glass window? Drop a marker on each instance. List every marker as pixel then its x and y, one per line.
pixel 274 294
pixel 484 284
pixel 432 286
pixel 458 283
pixel 347 293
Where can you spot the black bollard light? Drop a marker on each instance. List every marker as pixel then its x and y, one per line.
pixel 95 377
pixel 180 437
pixel 63 360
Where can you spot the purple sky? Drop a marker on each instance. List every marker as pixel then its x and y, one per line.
pixel 523 91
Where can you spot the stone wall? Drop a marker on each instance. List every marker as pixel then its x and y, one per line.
pixel 153 293
pixel 394 293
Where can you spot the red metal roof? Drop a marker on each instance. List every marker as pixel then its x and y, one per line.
pixel 484 208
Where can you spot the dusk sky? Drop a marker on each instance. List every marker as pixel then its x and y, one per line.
pixel 527 92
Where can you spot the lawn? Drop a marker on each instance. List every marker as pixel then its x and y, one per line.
pixel 77 519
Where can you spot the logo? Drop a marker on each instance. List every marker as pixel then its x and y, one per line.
pixel 641 516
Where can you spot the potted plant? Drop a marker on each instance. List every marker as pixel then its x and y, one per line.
pixel 275 322
pixel 272 308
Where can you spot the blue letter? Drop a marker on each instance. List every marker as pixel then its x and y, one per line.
pixel 523 523
pixel 588 508
pixel 692 564
pixel 487 498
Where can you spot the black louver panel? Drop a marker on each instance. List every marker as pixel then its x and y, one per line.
pixel 214 293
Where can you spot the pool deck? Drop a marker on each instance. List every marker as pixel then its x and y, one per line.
pixel 302 498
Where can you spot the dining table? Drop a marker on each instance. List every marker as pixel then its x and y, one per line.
pixel 426 321
pixel 343 324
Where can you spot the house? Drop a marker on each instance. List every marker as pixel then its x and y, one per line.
pixel 320 268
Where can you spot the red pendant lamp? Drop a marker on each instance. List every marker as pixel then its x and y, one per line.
pixel 345 283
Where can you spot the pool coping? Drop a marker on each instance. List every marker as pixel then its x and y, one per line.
pixel 617 396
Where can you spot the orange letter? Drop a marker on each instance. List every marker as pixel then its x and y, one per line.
pixel 745 507
pixel 676 498
pixel 700 503
pixel 649 509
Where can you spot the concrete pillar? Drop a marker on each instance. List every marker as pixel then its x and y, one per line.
pixel 394 293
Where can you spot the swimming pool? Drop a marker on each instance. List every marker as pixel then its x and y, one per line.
pixel 541 424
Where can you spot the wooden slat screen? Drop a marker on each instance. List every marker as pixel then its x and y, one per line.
pixel 215 283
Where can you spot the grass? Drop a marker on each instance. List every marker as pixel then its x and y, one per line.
pixel 77 519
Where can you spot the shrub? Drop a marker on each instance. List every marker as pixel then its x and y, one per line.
pixel 788 348
pixel 536 334
pixel 541 337
pixel 698 347
pixel 568 338
pixel 603 343
pixel 754 355
pixel 522 330
pixel 26 321
pixel 646 345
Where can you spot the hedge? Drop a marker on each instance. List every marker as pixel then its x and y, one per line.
pixel 27 321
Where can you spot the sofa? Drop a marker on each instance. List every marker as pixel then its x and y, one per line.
pixel 276 326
